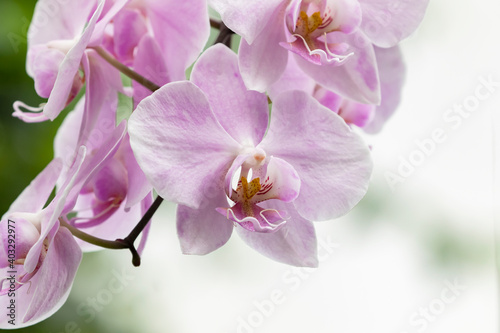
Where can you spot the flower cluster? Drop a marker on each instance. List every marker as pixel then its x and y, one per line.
pixel 262 142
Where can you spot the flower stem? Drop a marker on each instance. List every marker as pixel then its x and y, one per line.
pixel 92 239
pixel 125 70
pixel 215 24
pixel 119 244
pixel 224 36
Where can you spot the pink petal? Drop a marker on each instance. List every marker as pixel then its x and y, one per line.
pixel 179 143
pixel 329 99
pixel 245 114
pixel 111 181
pixel 281 181
pixel 184 29
pixel 392 75
pixel 112 226
pixel 103 83
pixel 247 18
pixel 138 185
pixel 65 141
pixel 108 14
pixel 387 22
pixel 23 235
pixel 128 29
pixel 333 163
pixel 94 161
pixel 45 67
pixel 357 78
pixel 52 283
pixel 356 113
pixel 150 64
pixel 294 244
pixel 263 61
pixel 53 211
pixel 292 79
pixel 59 20
pixel 69 67
pixel 203 230
pixel 34 197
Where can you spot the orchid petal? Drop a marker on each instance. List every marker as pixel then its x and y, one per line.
pixel 52 212
pixel 128 27
pixel 243 113
pixel 293 78
pixel 179 144
pixel 357 78
pixel 263 61
pixel 138 185
pixel 108 14
pixel 34 197
pixel 281 181
pixel 114 225
pixel 57 21
pixel 356 113
pixel 387 22
pixel 150 64
pixel 247 18
pixel 392 75
pixel 293 244
pixel 203 230
pixel 45 67
pixel 185 27
pixel 52 283
pixel 333 163
pixel 68 69
pixel 25 235
pixel 103 82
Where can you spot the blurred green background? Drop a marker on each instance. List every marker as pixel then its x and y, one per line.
pixel 25 149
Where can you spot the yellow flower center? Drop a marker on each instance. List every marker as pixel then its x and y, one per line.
pixel 307 24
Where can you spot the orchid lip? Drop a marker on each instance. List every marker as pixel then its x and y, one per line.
pixel 328 56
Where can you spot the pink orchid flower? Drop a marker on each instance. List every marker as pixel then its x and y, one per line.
pixel 178 29
pixel 331 40
pixel 58 41
pixel 47 256
pixel 207 146
pixel 117 195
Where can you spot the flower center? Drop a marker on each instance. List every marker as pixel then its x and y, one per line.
pixel 247 191
pixel 307 24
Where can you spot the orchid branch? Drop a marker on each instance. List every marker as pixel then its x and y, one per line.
pixel 215 24
pixel 126 70
pixel 118 244
pixel 224 36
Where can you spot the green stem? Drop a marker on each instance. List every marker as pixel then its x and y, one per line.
pixel 114 245
pixel 119 244
pixel 125 70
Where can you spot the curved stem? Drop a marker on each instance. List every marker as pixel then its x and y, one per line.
pixel 125 70
pixel 119 244
pixel 114 245
pixel 144 221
